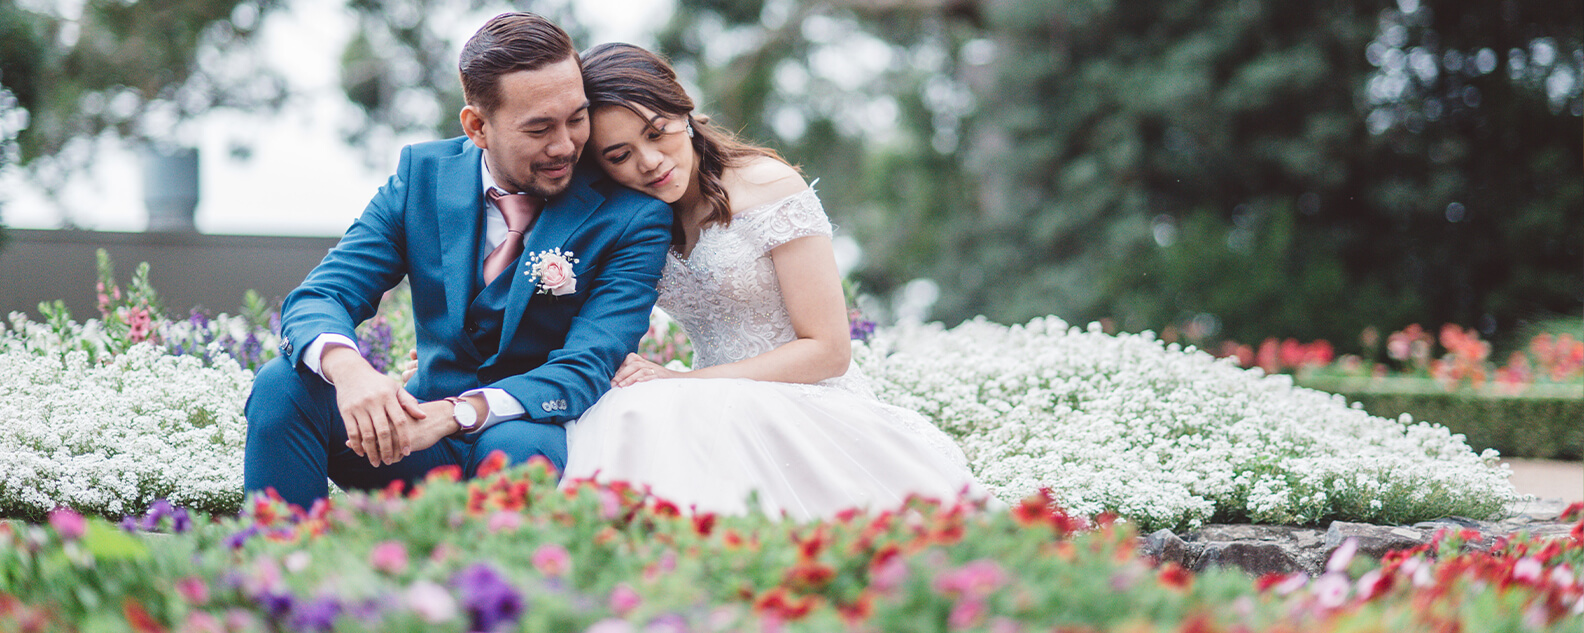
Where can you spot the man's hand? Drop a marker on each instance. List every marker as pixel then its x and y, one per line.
pixel 440 421
pixel 377 412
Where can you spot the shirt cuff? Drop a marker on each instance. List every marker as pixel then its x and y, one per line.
pixel 311 356
pixel 502 406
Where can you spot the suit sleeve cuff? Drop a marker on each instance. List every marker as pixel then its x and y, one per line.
pixel 502 406
pixel 311 356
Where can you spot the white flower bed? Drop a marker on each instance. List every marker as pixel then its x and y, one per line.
pixel 1170 437
pixel 111 436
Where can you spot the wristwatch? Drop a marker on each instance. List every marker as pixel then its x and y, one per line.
pixel 466 416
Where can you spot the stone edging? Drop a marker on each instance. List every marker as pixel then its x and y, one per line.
pixel 1282 549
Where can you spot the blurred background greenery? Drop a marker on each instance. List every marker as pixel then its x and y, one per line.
pixel 1232 169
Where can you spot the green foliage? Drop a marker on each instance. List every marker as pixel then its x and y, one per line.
pixel 1542 425
pixel 116 63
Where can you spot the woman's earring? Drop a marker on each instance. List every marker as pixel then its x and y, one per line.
pixel 690 130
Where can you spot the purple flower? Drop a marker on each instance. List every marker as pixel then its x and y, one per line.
pixel 316 615
pixel 489 599
pixel 235 541
pixel 275 604
pixel 129 523
pixel 181 521
pixel 156 512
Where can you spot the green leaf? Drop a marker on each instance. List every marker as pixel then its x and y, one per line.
pixel 107 542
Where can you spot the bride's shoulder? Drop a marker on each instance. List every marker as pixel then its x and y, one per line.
pixel 760 182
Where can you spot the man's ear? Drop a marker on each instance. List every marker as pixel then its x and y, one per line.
pixel 473 126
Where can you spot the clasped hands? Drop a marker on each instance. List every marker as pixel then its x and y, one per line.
pixel 383 422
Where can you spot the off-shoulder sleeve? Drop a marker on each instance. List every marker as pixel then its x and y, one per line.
pixel 797 215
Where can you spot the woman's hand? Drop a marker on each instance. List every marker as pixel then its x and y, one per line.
pixel 411 368
pixel 635 369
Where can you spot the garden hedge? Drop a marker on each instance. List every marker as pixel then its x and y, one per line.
pixel 1543 422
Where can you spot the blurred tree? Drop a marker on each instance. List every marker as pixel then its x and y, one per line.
pixel 132 68
pixel 1242 169
pixel 1224 165
pixel 400 66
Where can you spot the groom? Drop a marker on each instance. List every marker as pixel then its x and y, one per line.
pixel 530 283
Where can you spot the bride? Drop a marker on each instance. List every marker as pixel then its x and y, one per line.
pixel 774 406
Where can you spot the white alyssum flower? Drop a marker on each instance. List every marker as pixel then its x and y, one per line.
pixel 1170 437
pixel 111 435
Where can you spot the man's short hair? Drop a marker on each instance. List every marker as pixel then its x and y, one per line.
pixel 509 42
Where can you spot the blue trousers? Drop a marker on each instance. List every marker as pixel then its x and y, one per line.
pixel 296 440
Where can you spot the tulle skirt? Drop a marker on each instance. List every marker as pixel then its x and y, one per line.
pixel 805 451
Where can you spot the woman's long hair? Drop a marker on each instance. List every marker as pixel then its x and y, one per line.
pixel 627 76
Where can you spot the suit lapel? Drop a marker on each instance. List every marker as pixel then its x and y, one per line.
pixel 556 224
pixel 457 214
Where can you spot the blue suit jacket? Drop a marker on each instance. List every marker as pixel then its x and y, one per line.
pixel 557 353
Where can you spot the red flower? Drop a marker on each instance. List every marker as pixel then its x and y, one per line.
pixel 780 604
pixel 704 523
pixel 666 508
pixel 859 610
pixel 1174 576
pixel 1269 580
pixel 139 618
pixel 448 472
pixel 492 464
pixel 808 576
pixel 1574 512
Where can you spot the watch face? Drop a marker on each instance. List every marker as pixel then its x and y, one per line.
pixel 466 416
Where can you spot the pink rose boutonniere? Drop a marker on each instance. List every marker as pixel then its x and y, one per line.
pixel 553 269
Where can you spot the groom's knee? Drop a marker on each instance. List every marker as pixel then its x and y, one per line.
pixel 279 396
pixel 521 440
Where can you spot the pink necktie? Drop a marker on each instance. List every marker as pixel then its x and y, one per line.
pixel 519 210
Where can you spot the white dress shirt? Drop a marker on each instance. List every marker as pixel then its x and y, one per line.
pixel 502 406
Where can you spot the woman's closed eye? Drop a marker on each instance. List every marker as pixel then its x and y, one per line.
pixel 617 158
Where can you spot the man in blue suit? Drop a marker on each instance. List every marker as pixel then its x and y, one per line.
pixel 530 283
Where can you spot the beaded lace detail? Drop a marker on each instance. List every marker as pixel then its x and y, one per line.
pixel 728 301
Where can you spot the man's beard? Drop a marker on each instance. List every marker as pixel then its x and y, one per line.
pixel 541 187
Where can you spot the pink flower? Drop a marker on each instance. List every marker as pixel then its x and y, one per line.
pixel 193 590
pixel 974 580
pixel 201 622
pixel 623 600
pixel 504 520
pixel 966 613
pixel 139 324
pixel 610 503
pixel 68 523
pixel 1562 577
pixel 389 557
pixel 889 575
pixel 1294 582
pixel 552 560
pixel 1342 556
pixel 431 602
pixel 1331 590
pixel 1528 570
pixel 554 270
pixel 610 625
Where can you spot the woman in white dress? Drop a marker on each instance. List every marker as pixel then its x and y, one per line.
pixel 773 405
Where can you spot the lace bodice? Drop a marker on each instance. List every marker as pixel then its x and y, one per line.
pixel 725 293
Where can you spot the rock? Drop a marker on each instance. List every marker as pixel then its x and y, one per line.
pixel 1263 549
pixel 1374 540
pixel 1257 558
pixel 1166 547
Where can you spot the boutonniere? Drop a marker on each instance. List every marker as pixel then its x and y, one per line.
pixel 553 269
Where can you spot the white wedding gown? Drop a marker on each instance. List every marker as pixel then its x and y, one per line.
pixel 807 451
